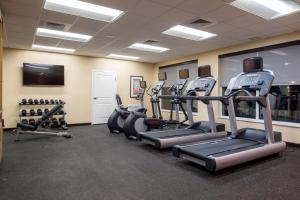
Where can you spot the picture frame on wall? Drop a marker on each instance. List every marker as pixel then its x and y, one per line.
pixel 135 85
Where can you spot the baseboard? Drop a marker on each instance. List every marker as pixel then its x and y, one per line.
pixel 76 124
pixel 290 144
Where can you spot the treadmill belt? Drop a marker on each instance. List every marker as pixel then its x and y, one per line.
pixel 171 133
pixel 219 147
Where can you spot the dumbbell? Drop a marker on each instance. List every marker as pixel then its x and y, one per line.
pixel 62 121
pixel 36 101
pixel 52 101
pixel 46 110
pixel 23 112
pixel 56 101
pixel 24 121
pixel 42 101
pixel 30 101
pixel 46 101
pixel 54 122
pixel 32 112
pixel 24 101
pixel 61 101
pixel 61 112
pixel 39 112
pixel 31 121
pixel 46 123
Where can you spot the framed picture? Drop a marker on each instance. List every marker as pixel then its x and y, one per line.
pixel 135 85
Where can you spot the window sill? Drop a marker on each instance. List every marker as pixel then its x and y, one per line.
pixel 279 123
pixel 180 112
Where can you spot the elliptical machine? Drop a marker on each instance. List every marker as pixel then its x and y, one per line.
pixel 138 122
pixel 117 118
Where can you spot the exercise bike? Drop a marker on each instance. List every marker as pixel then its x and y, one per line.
pixel 117 118
pixel 139 122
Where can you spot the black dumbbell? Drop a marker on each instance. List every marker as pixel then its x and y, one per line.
pixel 46 110
pixel 23 112
pixel 56 101
pixel 61 101
pixel 30 101
pixel 62 121
pixel 54 123
pixel 46 101
pixel 61 112
pixel 32 122
pixel 39 111
pixel 32 112
pixel 24 101
pixel 42 101
pixel 46 123
pixel 36 101
pixel 24 121
pixel 52 101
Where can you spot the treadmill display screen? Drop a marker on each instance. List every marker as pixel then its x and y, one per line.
pixel 162 76
pixel 204 71
pixel 183 73
pixel 253 64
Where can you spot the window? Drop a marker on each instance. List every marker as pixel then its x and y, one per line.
pixel 172 72
pixel 283 60
pixel 285 103
pixel 242 109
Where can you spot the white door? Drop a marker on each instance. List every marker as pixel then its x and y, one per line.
pixel 104 89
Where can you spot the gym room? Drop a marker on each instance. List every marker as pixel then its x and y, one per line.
pixel 149 99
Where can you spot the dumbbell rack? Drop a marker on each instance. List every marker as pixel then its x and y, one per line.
pixel 27 106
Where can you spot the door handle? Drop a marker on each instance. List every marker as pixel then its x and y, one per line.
pixel 95 98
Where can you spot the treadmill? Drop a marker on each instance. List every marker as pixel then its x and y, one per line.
pixel 197 131
pixel 244 144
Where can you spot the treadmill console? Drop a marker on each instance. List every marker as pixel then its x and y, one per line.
pixel 202 85
pixel 158 87
pixel 255 81
pixel 181 84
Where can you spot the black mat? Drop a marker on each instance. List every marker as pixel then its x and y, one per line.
pixel 95 165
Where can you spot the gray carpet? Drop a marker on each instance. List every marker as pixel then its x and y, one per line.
pixel 95 165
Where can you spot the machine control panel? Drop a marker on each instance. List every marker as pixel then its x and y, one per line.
pixel 181 84
pixel 158 86
pixel 202 85
pixel 261 81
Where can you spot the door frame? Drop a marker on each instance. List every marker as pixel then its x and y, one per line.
pixel 92 89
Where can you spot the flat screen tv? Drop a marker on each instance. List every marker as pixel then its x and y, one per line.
pixel 43 75
pixel 204 71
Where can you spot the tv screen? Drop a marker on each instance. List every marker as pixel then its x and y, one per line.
pixel 204 71
pixel 254 64
pixel 43 75
pixel 183 73
pixel 162 76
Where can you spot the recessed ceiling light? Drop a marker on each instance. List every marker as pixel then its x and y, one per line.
pixel 62 35
pixel 147 47
pixel 49 48
pixel 293 82
pixel 268 9
pixel 123 57
pixel 286 64
pixel 83 9
pixel 188 33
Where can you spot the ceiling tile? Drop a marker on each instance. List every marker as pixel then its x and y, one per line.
pixel 289 19
pixel 172 3
pixel 245 20
pixel 87 26
pixel 224 13
pixel 218 28
pixel 270 28
pixel 150 10
pixel 21 21
pixel 200 7
pixel 30 8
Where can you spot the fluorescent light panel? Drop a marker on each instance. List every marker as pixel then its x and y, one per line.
pixel 62 35
pixel 268 9
pixel 188 33
pixel 83 9
pixel 147 47
pixel 49 48
pixel 123 57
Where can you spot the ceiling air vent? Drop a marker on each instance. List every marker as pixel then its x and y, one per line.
pixel 199 23
pixel 150 42
pixel 55 26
